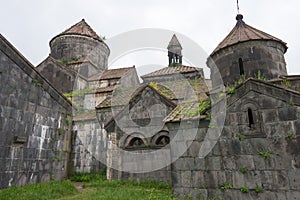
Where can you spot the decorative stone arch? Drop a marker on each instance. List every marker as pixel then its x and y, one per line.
pixel 126 141
pixel 158 138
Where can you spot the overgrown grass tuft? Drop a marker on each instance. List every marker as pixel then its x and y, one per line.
pixel 41 191
pixel 87 177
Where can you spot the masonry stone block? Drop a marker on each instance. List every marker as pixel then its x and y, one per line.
pixel 245 161
pixel 186 178
pixel 294 177
pixel 292 195
pixel 287 114
pixel 198 180
pixel 214 163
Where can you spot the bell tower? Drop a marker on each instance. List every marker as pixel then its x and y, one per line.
pixel 174 52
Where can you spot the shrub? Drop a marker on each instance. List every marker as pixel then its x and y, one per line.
pixel 258 189
pixel 241 136
pixel 243 170
pixel 225 186
pixel 244 189
pixel 292 135
pixel 265 154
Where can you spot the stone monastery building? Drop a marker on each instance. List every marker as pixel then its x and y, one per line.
pixel 71 114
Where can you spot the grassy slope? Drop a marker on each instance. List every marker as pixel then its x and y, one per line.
pixel 94 188
pixel 51 190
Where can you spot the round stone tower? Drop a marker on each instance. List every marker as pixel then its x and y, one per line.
pixel 80 42
pixel 245 52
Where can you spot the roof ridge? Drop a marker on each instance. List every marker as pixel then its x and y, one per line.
pixel 170 70
pixel 81 28
pixel 235 36
pixel 174 42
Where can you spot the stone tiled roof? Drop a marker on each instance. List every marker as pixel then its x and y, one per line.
pixel 129 99
pixel 182 89
pixel 104 104
pixel 90 115
pixel 189 111
pixel 165 90
pixel 82 28
pixel 95 77
pixel 102 90
pixel 172 70
pixel 243 32
pixel 111 73
pixel 120 98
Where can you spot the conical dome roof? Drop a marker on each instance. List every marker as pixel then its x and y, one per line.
pixel 174 42
pixel 242 33
pixel 81 28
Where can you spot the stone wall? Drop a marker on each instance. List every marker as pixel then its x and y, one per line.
pixel 61 77
pixel 34 123
pixel 68 47
pixel 262 158
pixel 137 131
pixel 132 164
pixel 264 56
pixel 89 146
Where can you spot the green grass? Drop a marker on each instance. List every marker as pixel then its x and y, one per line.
pixel 50 190
pixel 94 187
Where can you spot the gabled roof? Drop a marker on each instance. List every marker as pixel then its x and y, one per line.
pixel 115 73
pixel 111 74
pixel 174 42
pixel 90 115
pixel 191 111
pixel 243 32
pixel 188 111
pixel 83 29
pixel 269 89
pixel 172 70
pixel 60 65
pixel 134 96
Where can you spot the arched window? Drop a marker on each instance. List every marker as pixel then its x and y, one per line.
pixel 162 140
pixel 241 66
pixel 134 142
pixel 250 118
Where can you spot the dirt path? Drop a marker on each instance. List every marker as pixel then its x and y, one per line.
pixel 78 186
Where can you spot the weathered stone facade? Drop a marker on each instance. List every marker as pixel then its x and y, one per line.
pixel 247 52
pixel 256 155
pixel 35 123
pixel 259 155
pixel 89 145
pixel 76 55
pixel 80 41
pixel 138 130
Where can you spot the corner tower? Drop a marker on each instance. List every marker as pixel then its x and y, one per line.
pixel 80 41
pixel 247 51
pixel 174 52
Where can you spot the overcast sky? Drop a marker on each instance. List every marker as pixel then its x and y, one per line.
pixel 30 24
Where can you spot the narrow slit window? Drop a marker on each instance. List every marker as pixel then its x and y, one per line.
pixel 250 118
pixel 241 66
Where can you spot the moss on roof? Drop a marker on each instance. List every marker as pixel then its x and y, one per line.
pixel 190 110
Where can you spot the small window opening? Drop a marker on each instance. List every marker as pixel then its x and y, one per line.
pixel 163 140
pixel 241 66
pixel 250 118
pixel 136 142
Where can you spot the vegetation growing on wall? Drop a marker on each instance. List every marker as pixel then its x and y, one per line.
pixel 66 61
